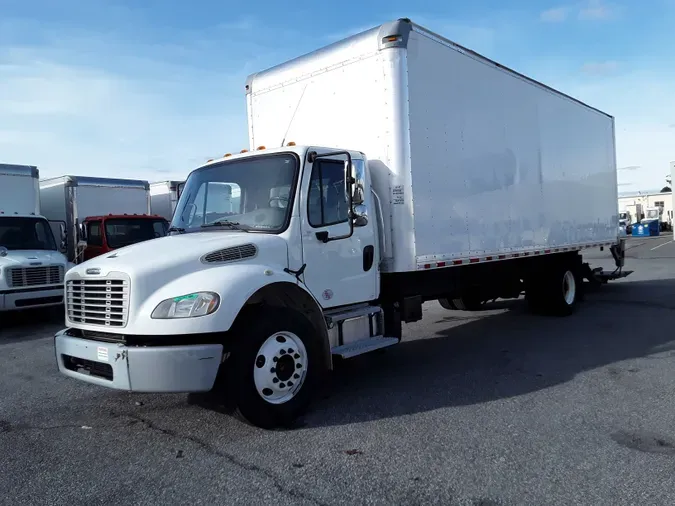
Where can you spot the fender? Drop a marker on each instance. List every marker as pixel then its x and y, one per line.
pixel 235 284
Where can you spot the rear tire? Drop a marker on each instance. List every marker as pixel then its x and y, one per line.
pixel 555 292
pixel 274 369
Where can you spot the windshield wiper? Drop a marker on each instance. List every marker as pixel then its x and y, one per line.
pixel 176 229
pixel 224 223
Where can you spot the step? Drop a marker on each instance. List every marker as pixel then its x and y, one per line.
pixel 338 316
pixel 363 346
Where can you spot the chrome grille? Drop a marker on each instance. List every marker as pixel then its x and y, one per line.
pixel 98 301
pixel 231 254
pixel 19 277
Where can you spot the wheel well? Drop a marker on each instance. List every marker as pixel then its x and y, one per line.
pixel 290 296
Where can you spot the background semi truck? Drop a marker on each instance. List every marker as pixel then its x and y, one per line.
pixel 31 265
pixel 352 208
pixel 100 214
pixel 164 197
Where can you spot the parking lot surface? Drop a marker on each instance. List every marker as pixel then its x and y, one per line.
pixel 486 408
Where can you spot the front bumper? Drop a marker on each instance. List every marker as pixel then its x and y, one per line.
pixel 168 369
pixel 29 298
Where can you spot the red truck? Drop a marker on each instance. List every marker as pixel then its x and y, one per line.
pixel 106 233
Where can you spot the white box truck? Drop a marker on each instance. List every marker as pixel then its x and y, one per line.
pixel 31 266
pixel 354 206
pixel 164 197
pixel 101 214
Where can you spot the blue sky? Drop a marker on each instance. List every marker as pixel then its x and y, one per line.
pixel 111 88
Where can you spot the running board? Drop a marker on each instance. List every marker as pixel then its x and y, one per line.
pixel 363 346
pixel 338 316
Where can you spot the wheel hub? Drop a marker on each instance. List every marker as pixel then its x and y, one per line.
pixel 280 367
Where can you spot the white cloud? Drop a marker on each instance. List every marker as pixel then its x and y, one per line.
pixel 589 10
pixel 596 10
pixel 600 68
pixel 555 15
pixel 75 119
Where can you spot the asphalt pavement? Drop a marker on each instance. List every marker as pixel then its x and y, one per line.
pixel 497 407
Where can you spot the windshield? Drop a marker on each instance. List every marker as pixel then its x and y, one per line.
pixel 254 193
pixel 122 232
pixel 653 213
pixel 25 233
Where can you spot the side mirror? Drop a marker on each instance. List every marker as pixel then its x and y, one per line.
pixel 82 229
pixel 360 215
pixel 359 182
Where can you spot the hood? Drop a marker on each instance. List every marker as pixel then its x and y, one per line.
pixel 32 258
pixel 178 255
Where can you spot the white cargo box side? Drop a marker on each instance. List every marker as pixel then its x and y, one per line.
pixel 93 196
pixel 502 164
pixel 164 197
pixel 470 159
pixel 19 189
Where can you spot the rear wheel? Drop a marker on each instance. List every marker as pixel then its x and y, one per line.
pixel 556 291
pixel 275 367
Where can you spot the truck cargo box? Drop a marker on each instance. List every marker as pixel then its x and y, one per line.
pixel 19 189
pixel 164 196
pixel 471 159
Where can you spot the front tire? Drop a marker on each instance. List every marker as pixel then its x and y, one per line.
pixel 275 368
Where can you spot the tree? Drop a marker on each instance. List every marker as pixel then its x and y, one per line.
pixel 666 189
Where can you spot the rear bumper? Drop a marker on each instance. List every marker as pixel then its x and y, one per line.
pixel 28 298
pixel 169 369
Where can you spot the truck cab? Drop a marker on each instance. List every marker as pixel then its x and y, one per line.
pixel 102 234
pixel 31 266
pixel 625 221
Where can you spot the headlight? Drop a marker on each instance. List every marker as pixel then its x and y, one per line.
pixel 187 306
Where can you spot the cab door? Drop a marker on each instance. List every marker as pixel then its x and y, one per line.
pixel 341 261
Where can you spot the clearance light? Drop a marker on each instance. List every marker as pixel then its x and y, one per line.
pixel 260 148
pixel 291 144
pixel 227 154
pixel 209 160
pixel 244 151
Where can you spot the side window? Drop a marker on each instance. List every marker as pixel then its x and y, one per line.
pixel 94 237
pixel 327 198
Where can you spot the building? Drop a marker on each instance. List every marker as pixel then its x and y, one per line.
pixel 650 199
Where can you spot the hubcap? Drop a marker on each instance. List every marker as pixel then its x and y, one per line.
pixel 569 288
pixel 280 367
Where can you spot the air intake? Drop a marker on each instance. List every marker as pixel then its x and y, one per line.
pixel 231 254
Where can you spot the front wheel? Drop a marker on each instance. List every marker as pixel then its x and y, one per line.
pixel 275 367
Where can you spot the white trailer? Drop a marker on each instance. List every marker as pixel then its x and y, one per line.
pixel 31 266
pixel 334 242
pixel 164 197
pixel 72 199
